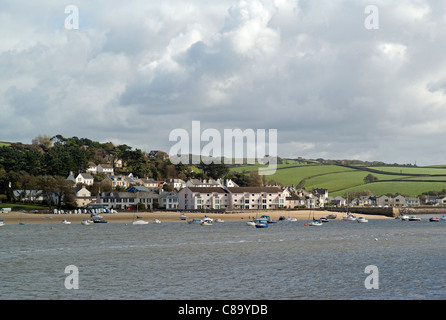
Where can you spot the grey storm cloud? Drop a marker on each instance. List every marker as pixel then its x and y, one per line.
pixel 133 72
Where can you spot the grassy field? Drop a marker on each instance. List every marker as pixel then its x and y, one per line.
pixel 411 181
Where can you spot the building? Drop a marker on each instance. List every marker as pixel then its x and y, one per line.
pixel 84 178
pixel 82 197
pixel 197 198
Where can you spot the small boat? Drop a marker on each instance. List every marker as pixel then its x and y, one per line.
pixel 323 219
pixel 414 218
pixel 183 217
pixel 65 221
pixel 100 221
pixel 2 223
pixel 332 216
pixel 350 217
pixel 194 221
pixel 251 223
pixel 315 223
pixel 139 222
pixel 261 224
pixel 434 219
pixel 156 221
pixel 291 219
pixel 404 217
pixel 219 220
pixel 362 220
pixel 86 222
pixel 443 218
pixel 207 221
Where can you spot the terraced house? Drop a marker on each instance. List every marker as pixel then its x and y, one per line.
pixel 243 198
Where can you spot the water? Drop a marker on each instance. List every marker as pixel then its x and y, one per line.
pixel 230 260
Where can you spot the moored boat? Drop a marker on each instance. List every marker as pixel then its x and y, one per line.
pixel 404 217
pixel 261 224
pixel 251 223
pixel 2 223
pixel 414 218
pixel 65 221
pixel 315 223
pixel 332 216
pixel 86 222
pixel 139 222
pixel 183 217
pixel 350 217
pixel 207 221
pixel 362 220
pixel 219 220
pixel 156 221
pixel 194 221
pixel 434 219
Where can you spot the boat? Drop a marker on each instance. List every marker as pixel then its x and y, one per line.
pixel 443 218
pixel 86 222
pixel 414 218
pixel 139 222
pixel 261 224
pixel 183 217
pixel 315 223
pixel 362 220
pixel 350 217
pixel 219 220
pixel 2 223
pixel 332 216
pixel 323 219
pixel 251 223
pixel 266 219
pixel 65 221
pixel 434 219
pixel 156 221
pixel 99 221
pixel 291 219
pixel 207 221
pixel 404 217
pixel 194 221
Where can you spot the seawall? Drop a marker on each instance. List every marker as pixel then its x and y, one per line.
pixel 392 211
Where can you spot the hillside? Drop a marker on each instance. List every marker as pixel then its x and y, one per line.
pixel 338 179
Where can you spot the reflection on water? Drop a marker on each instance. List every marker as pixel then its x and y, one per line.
pixel 225 261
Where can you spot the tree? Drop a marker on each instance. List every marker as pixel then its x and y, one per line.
pixel 370 178
pixel 254 179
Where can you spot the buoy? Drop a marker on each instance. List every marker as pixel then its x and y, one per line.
pixel 376 239
pixel 305 224
pixel 386 239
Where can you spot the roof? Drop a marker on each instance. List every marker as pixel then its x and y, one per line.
pixel 208 189
pixel 254 189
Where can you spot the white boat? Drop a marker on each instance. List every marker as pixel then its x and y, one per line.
pixel 139 222
pixel 86 222
pixel 315 223
pixel 291 219
pixel 261 224
pixel 65 221
pixel 251 223
pixel 194 221
pixel 331 216
pixel 183 217
pixel 362 220
pixel 207 221
pixel 2 223
pixel 350 217
pixel 434 219
pixel 404 217
pixel 219 220
pixel 156 221
pixel 414 218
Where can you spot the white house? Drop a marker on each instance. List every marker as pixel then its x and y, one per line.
pixel 84 178
pixel 193 198
pixel 105 168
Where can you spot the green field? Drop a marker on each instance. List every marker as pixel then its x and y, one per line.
pixel 411 181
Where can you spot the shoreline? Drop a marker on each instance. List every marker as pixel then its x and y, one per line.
pixel 128 217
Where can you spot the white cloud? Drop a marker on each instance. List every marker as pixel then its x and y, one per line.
pixel 133 72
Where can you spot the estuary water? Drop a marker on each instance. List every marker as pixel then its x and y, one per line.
pixel 230 260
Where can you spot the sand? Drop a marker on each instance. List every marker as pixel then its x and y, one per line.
pixel 127 217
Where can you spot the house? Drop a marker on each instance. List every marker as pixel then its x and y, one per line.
pixel 82 196
pixel 203 184
pixel 399 201
pixel 105 168
pixel 256 198
pixel 193 198
pixel 414 202
pixel 383 201
pixel 28 195
pixel 168 200
pixel 116 181
pixel 84 178
pixel 149 183
pixel 92 169
pixel 176 184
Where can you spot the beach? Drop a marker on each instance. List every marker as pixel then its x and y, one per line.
pixel 163 216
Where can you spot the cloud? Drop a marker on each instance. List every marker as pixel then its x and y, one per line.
pixel 310 69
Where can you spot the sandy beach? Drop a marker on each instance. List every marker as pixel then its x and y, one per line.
pixel 127 217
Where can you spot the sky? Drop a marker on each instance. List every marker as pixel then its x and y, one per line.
pixel 130 72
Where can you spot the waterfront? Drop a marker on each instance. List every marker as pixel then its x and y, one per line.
pixel 230 260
